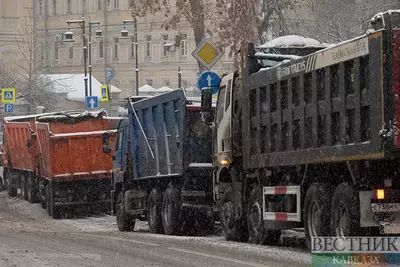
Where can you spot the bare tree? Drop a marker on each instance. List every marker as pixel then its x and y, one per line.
pixel 337 20
pixel 251 21
pixel 29 70
pixel 195 12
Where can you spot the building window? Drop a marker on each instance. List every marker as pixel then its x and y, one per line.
pixel 54 7
pixel 40 7
pixel 101 49
pixel 69 6
pixel 164 42
pixel 148 46
pixel 183 45
pixel 84 5
pixel 116 4
pixel 56 50
pixel 132 47
pixel 71 52
pixel 99 7
pixel 116 46
pixel 149 81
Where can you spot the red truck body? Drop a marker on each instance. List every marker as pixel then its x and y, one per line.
pixel 58 159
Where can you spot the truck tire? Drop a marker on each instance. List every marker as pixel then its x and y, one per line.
pixel 24 189
pixel 171 211
pixel 258 233
pixel 30 187
pixel 12 192
pixel 42 195
pixel 317 208
pixel 48 206
pixel 125 222
pixel 233 229
pixel 345 216
pixel 52 209
pixel 154 206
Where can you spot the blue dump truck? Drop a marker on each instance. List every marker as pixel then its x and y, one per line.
pixel 162 166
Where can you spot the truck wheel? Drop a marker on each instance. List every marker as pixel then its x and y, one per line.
pixel 258 233
pixel 12 192
pixel 31 192
pixel 317 208
pixel 48 206
pixel 234 230
pixel 171 211
pixel 124 221
pixel 345 216
pixel 154 206
pixel 55 211
pixel 24 189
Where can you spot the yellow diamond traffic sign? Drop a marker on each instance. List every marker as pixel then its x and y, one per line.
pixel 207 53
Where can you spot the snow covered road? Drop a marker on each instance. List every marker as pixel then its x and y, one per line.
pixel 30 236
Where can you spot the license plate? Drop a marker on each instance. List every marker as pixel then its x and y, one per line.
pixel 385 207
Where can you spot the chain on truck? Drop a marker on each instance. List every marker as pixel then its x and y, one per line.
pixel 311 141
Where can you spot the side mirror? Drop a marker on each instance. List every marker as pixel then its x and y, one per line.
pixel 206 117
pixel 206 100
pixel 106 143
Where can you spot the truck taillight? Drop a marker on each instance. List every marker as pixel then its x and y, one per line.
pixel 396 47
pixel 379 194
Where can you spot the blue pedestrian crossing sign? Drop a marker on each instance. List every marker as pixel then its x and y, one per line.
pixel 92 102
pixel 104 93
pixel 8 95
pixel 8 108
pixel 209 79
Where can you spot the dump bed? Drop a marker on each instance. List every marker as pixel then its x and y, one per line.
pixel 73 156
pixel 167 135
pixel 326 107
pixel 18 151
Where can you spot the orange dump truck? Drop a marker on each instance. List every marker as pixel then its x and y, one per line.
pixel 57 159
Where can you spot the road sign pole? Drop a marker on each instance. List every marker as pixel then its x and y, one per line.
pixel 179 77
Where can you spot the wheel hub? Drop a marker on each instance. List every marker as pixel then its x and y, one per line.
pixel 255 215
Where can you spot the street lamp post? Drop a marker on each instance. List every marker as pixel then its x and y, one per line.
pixel 98 34
pixel 124 35
pixel 69 37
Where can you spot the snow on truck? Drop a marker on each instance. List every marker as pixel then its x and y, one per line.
pixel 163 166
pixel 57 159
pixel 311 141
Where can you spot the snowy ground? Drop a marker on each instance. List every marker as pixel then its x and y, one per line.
pixel 106 223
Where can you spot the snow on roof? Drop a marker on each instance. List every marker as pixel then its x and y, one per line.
pixel 164 89
pixel 277 56
pixel 146 88
pixel 14 118
pixel 292 41
pixel 73 114
pixel 73 85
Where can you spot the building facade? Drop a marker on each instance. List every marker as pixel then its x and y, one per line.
pixel 12 17
pixel 160 51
